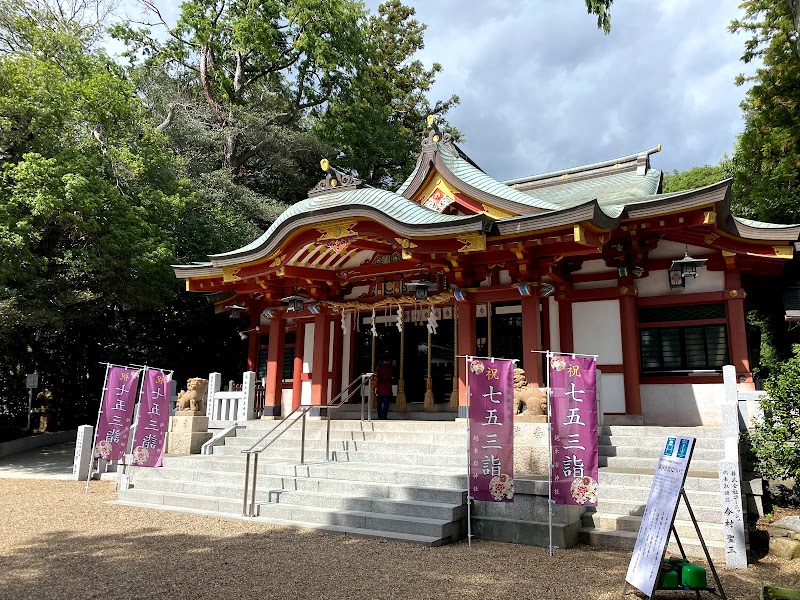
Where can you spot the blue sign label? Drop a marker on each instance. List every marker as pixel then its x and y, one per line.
pixel 683 447
pixel 670 447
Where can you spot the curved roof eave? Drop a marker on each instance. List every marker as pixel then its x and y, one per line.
pixel 195 270
pixel 589 211
pixel 400 214
pixel 758 230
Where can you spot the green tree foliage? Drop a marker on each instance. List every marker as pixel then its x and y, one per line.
pixel 376 125
pixel 767 158
pixel 775 440
pixel 88 200
pixel 601 8
pixel 256 69
pixel 695 177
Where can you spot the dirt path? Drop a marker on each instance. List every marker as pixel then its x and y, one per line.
pixel 57 543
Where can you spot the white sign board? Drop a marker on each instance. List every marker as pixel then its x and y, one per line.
pixel 32 380
pixel 662 504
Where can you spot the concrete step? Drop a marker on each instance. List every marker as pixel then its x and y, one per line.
pixel 427 476
pixel 645 432
pixel 653 454
pixel 373 436
pixel 165 479
pixel 331 529
pixel 640 494
pixel 629 462
pixel 312 455
pixel 277 494
pixel 394 447
pixel 704 514
pixel 436 528
pixel 380 426
pixel 627 540
pixel 643 478
pixel 656 444
pixel 686 530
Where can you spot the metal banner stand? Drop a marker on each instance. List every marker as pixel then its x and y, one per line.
pixel 550 502
pixel 674 533
pixel 97 426
pixel 467 360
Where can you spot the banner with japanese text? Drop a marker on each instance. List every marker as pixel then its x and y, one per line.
pixel 491 425
pixel 573 431
pixel 116 411
pixel 151 423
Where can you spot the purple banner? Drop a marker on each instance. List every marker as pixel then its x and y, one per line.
pixel 151 423
pixel 573 409
pixel 491 426
pixel 114 424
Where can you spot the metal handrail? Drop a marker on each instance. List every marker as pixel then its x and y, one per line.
pixel 300 412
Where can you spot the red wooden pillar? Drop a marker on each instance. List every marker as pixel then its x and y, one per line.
pixel 252 343
pixel 531 339
pixel 319 360
pixel 466 345
pixel 338 352
pixel 737 329
pixel 297 368
pixel 630 354
pixel 274 374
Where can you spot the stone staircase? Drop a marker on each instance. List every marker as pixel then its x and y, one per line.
pixel 385 479
pixel 628 459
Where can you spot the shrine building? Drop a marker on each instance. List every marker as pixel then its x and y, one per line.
pixel 591 260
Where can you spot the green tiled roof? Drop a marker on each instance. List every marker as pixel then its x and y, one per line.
pixel 761 224
pixel 609 190
pixel 394 206
pixel 481 181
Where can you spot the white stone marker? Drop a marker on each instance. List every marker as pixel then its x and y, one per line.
pixel 83 453
pixel 730 476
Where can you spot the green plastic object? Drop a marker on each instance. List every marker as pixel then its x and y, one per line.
pixel 770 592
pixel 694 577
pixel 669 580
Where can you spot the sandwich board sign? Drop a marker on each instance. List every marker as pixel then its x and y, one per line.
pixel 659 514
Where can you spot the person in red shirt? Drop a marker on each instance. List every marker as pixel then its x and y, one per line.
pixel 384 390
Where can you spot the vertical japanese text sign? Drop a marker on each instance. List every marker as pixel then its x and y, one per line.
pixel 114 424
pixel 491 423
pixel 151 425
pixel 573 420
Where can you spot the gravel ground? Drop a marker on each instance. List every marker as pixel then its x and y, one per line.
pixel 55 542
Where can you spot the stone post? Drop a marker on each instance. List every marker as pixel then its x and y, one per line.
pixel 247 404
pixel 83 453
pixel 730 476
pixel 214 385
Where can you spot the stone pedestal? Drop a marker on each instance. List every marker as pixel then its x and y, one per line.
pixel 188 431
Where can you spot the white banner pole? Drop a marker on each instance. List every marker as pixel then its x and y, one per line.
pixel 97 426
pixel 550 459
pixel 467 360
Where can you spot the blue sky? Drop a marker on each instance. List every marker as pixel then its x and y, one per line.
pixel 542 89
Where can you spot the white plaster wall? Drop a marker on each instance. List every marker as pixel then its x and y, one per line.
pixel 503 278
pixel 595 266
pixel 657 283
pixel 305 392
pixel 613 400
pixel 286 402
pixel 308 347
pixel 345 350
pixel 667 249
pixel 357 292
pixel 555 340
pixel 596 329
pixel 682 404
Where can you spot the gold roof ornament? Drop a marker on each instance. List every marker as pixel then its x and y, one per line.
pixel 334 180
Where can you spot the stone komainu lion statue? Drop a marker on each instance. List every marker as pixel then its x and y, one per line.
pixel 527 396
pixel 192 397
